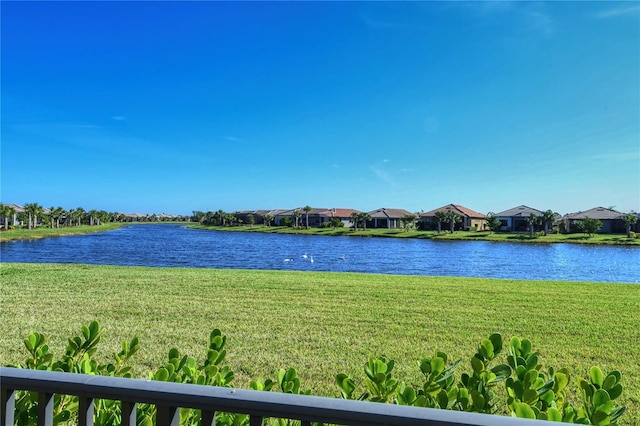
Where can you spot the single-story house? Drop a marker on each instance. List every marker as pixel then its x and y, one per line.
pixel 470 218
pixel 343 214
pixel 515 219
pixel 13 219
pixel 247 216
pixel 612 222
pixel 317 216
pixel 386 218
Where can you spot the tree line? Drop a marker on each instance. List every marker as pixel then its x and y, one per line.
pixel 34 215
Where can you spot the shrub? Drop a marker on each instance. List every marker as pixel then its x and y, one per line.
pixel 531 391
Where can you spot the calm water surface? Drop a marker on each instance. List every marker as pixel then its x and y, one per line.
pixel 177 246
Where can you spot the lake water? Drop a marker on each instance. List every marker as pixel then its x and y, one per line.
pixel 177 246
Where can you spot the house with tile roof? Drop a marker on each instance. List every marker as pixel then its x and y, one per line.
pixel 386 218
pixel 317 216
pixel 343 214
pixel 515 219
pixel 612 222
pixel 470 219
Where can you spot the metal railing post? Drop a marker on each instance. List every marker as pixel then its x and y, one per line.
pixel 207 418
pixel 85 411
pixel 45 409
pixel 8 408
pixel 167 416
pixel 129 413
pixel 256 420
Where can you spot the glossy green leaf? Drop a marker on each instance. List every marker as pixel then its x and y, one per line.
pixel 524 411
pixel 596 376
pixel 161 375
pixel 600 419
pixel 561 381
pixel 615 391
pixel 437 365
pixel 600 397
pixel 554 415
pixel 486 349
pixel 530 396
pixel 477 365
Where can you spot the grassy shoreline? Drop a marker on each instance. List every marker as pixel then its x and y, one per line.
pixel 32 234
pixel 598 239
pixel 322 323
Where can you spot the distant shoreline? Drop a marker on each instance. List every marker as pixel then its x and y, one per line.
pixel 597 239
pixel 511 237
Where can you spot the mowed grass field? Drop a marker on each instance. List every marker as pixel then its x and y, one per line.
pixel 321 323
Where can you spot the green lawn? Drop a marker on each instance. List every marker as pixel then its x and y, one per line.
pixel 617 239
pixel 322 323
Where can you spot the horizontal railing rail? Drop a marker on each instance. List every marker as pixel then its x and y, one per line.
pixel 170 397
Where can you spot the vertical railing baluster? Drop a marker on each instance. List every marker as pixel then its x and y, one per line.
pixel 85 411
pixel 207 418
pixel 129 413
pixel 45 409
pixel 167 416
pixel 256 420
pixel 8 408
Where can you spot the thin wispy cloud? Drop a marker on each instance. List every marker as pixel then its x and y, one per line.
pixel 232 139
pixel 527 17
pixel 626 10
pixel 383 176
pixel 118 118
pixel 541 23
pixel 619 156
pixel 380 24
pixel 78 126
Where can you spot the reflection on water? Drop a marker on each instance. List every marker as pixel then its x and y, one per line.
pixel 175 245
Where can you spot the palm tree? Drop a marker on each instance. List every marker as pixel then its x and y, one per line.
pixel 33 210
pixel 297 214
pixel 307 209
pixel 531 221
pixel 629 220
pixel 93 217
pixel 78 215
pixel 548 218
pixel 355 218
pixel 407 220
pixel 492 221
pixel 335 222
pixel 440 217
pixel 51 215
pixel 453 218
pixel 6 212
pixel 365 217
pixel 268 219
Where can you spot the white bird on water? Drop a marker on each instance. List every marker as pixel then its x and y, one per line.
pixel 304 256
pixel 311 259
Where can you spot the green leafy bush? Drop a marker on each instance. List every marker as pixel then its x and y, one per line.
pixel 531 391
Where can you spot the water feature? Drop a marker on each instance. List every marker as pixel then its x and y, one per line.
pixel 177 246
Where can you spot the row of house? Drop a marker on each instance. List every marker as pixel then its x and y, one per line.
pixel 511 220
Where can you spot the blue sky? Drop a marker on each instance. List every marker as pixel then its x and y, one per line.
pixel 170 107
